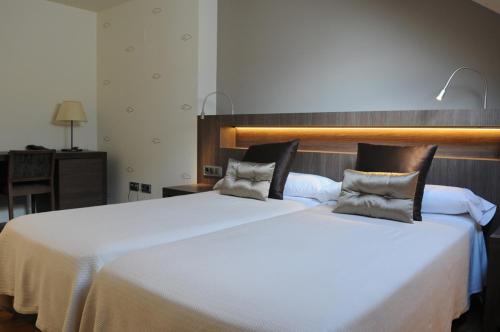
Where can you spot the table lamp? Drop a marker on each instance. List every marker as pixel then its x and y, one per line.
pixel 71 111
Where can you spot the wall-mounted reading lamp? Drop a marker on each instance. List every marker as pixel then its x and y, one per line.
pixel 212 94
pixel 443 92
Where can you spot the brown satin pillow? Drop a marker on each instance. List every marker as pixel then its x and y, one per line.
pixel 399 159
pixel 378 195
pixel 283 154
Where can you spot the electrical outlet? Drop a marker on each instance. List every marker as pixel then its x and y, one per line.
pixel 146 188
pixel 212 171
pixel 133 186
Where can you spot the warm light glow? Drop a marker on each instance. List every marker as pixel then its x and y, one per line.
pixel 460 143
pixel 359 134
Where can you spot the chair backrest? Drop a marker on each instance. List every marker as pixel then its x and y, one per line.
pixel 31 166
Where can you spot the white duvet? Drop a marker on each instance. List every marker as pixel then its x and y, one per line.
pixel 47 261
pixel 308 271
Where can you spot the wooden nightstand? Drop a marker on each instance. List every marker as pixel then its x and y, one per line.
pixel 492 307
pixel 186 190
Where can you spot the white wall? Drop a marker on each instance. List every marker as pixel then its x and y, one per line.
pixel 207 54
pixel 285 56
pixel 146 72
pixel 47 55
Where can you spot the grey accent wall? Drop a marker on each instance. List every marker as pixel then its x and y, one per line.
pixel 286 56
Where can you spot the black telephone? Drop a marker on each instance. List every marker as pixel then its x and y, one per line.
pixel 35 148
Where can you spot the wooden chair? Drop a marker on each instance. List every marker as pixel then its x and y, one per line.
pixel 29 173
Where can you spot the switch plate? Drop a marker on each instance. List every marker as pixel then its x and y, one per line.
pixel 146 188
pixel 133 186
pixel 212 171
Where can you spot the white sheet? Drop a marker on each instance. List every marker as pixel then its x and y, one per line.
pixel 309 202
pixel 47 261
pixel 306 271
pixel 478 254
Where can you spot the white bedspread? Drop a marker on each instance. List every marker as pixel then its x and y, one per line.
pixel 47 261
pixel 478 256
pixel 307 271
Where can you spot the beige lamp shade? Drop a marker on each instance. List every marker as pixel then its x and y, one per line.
pixel 71 111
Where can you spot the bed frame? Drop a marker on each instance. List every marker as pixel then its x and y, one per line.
pixel 468 155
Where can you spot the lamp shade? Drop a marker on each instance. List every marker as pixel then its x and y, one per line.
pixel 71 111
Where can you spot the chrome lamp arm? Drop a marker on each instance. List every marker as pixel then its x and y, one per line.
pixel 443 92
pixel 203 114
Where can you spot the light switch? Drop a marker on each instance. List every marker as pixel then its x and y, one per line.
pixel 212 171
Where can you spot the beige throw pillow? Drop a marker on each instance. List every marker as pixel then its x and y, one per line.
pixel 249 180
pixel 378 195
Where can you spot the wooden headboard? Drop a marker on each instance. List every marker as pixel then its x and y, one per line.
pixel 469 141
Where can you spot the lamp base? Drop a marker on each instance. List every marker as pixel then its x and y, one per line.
pixel 75 149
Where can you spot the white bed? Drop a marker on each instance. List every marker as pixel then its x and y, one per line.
pixel 307 271
pixel 47 261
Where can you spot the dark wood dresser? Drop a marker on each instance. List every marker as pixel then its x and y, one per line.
pixel 80 179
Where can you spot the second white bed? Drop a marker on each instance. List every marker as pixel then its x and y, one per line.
pixel 47 261
pixel 308 271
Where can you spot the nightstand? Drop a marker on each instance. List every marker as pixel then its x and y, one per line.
pixel 492 306
pixel 186 190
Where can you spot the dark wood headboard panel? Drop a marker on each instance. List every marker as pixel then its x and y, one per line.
pixel 479 173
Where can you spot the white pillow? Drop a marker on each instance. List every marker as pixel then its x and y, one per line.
pixel 453 200
pixel 312 186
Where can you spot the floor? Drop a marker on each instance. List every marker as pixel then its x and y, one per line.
pixel 11 323
pixel 470 322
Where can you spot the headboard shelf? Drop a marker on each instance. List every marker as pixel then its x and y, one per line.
pixel 239 150
pixel 457 143
pixel 468 154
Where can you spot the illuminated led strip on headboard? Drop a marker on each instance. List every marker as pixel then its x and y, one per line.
pixel 454 143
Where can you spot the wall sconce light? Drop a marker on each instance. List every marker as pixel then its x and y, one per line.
pixel 212 94
pixel 443 92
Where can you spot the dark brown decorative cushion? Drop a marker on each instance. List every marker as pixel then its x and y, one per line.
pixel 399 159
pixel 282 154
